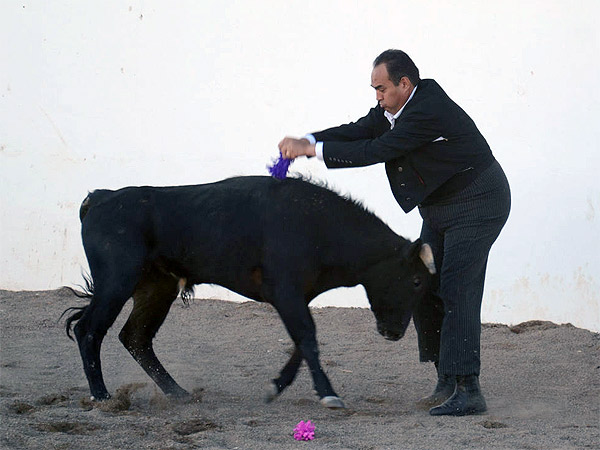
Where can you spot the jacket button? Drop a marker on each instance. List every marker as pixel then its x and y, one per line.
pixel 408 199
pixel 400 169
pixel 402 185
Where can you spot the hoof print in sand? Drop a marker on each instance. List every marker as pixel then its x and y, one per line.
pixel 119 403
pixel 492 424
pixel 19 407
pixel 66 427
pixel 194 426
pixel 52 399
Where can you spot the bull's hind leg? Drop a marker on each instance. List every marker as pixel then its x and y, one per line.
pixel 108 299
pixel 152 300
pixel 116 260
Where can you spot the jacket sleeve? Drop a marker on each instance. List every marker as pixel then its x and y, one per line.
pixel 363 128
pixel 413 130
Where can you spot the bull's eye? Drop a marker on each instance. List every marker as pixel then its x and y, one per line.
pixel 417 281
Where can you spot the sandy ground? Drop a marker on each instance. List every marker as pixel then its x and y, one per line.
pixel 541 381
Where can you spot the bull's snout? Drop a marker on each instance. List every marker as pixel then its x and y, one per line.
pixel 389 334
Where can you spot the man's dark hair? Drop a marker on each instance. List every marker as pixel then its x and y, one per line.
pixel 398 65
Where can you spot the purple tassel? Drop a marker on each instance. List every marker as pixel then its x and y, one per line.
pixel 280 168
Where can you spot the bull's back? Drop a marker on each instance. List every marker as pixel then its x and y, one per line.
pixel 230 224
pixel 179 213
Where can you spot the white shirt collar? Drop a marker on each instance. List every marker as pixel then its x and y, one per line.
pixel 392 117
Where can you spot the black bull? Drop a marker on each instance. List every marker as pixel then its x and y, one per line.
pixel 280 242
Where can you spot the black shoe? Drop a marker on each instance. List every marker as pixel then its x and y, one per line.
pixel 444 389
pixel 467 399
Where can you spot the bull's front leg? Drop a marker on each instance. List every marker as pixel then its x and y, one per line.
pixel 286 376
pixel 310 352
pixel 299 323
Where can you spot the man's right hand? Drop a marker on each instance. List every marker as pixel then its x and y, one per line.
pixel 291 148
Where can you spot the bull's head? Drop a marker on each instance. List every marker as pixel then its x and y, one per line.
pixel 396 284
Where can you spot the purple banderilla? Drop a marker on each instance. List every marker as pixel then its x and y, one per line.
pixel 280 168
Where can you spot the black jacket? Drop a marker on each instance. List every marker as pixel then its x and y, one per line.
pixel 417 167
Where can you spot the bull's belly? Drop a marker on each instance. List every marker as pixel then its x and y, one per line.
pixel 243 280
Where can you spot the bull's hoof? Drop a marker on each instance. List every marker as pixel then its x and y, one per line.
pixel 332 402
pixel 271 393
pixel 181 397
pixel 100 398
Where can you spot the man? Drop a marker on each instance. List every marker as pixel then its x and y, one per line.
pixel 435 158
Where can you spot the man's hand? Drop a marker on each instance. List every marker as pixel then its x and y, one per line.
pixel 291 148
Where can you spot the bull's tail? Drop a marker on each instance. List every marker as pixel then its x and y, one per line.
pixel 88 293
pixel 92 199
pixel 88 289
pixel 84 208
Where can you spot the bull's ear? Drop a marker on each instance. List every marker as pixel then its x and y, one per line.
pixel 423 251
pixel 426 255
pixel 413 249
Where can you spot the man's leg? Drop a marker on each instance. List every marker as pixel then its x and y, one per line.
pixel 471 222
pixel 461 287
pixel 429 312
pixel 428 317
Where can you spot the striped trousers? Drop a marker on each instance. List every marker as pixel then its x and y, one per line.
pixel 461 230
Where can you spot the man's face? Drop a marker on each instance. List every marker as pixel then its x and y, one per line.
pixel 390 97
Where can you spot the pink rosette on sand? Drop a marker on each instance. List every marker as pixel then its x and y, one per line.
pixel 304 431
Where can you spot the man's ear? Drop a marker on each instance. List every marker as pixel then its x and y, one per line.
pixel 405 83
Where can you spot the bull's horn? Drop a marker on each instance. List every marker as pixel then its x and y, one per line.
pixel 426 256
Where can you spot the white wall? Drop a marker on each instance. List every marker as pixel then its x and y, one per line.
pixel 108 94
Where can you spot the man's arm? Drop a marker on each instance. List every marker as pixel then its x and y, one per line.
pixel 363 128
pixel 413 131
